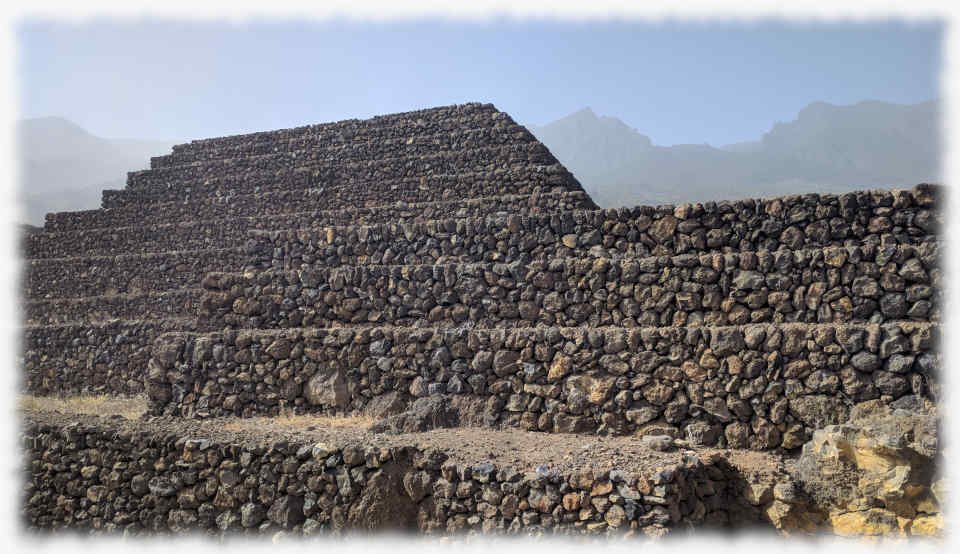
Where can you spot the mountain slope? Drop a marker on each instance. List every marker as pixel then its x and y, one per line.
pixel 63 167
pixel 826 149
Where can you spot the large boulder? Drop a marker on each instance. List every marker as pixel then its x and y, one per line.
pixel 384 504
pixel 385 405
pixel 327 389
pixel 877 473
pixel 431 412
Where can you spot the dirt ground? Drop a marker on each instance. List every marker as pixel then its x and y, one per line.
pixel 520 450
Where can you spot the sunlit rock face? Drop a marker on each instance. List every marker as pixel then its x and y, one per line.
pixel 878 474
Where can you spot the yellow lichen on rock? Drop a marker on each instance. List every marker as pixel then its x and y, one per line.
pixel 869 457
pixel 875 521
pixel 927 526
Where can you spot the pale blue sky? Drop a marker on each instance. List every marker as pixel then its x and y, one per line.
pixel 675 82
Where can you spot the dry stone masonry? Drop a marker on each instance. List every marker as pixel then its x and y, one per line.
pixel 758 386
pixel 113 477
pixel 139 260
pixel 439 268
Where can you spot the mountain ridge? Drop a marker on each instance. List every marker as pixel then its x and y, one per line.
pixel 827 148
pixel 64 167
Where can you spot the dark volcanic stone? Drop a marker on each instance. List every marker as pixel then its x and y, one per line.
pixel 432 412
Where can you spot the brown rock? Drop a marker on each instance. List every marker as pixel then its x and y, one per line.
pixel 694 372
pixel 384 503
pixel 875 521
pixel 560 367
pixel 663 228
pixel 927 526
pixel 601 488
pixel 571 502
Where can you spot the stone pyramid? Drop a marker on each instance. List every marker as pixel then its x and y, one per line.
pixel 441 268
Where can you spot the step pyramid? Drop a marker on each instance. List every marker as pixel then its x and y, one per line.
pixel 99 285
pixel 343 267
pixel 443 258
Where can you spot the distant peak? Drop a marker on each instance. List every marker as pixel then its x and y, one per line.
pixel 52 123
pixel 50 119
pixel 583 114
pixel 817 107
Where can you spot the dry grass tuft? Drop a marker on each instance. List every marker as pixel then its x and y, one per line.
pixel 300 422
pixel 101 405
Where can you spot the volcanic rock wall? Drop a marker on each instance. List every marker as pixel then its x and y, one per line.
pixel 446 252
pixel 138 261
pixel 791 223
pixel 276 204
pixel 110 478
pixel 757 386
pixel 443 257
pixel 747 324
pixel 835 284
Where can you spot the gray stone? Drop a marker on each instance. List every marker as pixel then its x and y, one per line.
pixel 717 407
pixel 554 302
pixel 913 270
pixel 898 363
pixel 482 361
pixel 162 486
pixel 701 433
pixel 431 412
pixel 865 361
pixel 865 286
pixel 505 362
pixel 850 339
pixel 383 405
pixel 891 383
pixel 893 305
pixel 287 511
pixel 327 389
pixel 727 341
pixel 227 520
pixel 251 514
pixel 748 280
pixel 279 349
pixel 660 443
pixel 817 411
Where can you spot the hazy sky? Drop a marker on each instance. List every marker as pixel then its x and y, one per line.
pixel 678 83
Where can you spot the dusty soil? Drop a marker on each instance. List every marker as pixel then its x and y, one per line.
pixel 129 408
pixel 520 450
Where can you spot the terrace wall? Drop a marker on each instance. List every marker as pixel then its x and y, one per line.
pixel 291 202
pixel 111 479
pixel 865 284
pixel 754 386
pixel 792 223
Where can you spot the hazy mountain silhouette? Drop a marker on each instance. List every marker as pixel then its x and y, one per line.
pixel 64 168
pixel 826 149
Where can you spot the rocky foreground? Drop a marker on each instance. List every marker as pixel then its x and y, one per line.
pixel 875 476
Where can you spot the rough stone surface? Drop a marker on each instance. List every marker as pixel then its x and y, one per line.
pixel 434 412
pixel 440 269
